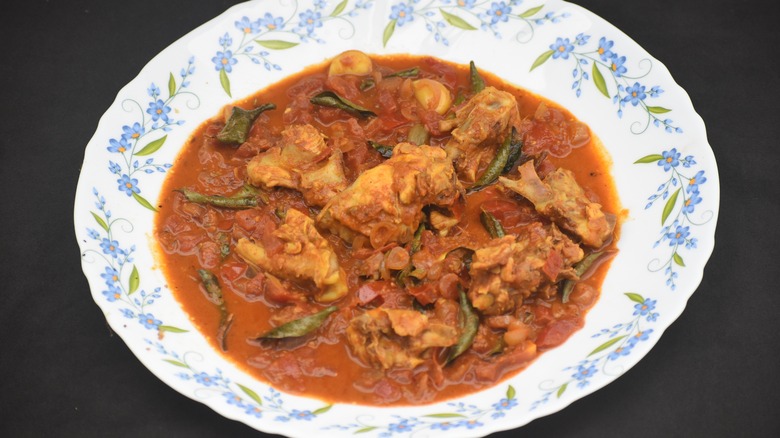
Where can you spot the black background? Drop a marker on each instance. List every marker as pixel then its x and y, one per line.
pixel 714 372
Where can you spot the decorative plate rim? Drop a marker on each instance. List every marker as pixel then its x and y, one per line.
pixel 219 61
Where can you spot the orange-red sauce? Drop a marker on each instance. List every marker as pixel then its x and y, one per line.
pixel 321 365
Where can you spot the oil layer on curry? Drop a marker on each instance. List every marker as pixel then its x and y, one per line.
pixel 388 230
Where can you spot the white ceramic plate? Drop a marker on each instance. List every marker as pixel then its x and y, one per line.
pixel 663 166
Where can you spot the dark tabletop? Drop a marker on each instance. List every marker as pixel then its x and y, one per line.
pixel 63 372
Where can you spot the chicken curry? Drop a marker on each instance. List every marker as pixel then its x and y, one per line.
pixel 388 230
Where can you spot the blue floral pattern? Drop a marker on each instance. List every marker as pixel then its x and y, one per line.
pixel 621 340
pixel 681 193
pixel 607 64
pixel 450 17
pixel 259 37
pixel 128 145
pixel 121 276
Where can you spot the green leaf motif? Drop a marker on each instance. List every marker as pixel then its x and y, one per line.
pixel 649 159
pixel 456 21
pixel 531 12
pixel 678 259
pixel 322 410
pixel 542 59
pixel 561 390
pixel 388 33
pixel 598 80
pixel 669 206
pixel 135 281
pixel 225 82
pixel 635 297
pixel 276 44
pixel 171 85
pixel 140 199
pixel 100 221
pixel 176 362
pixel 606 345
pixel 445 415
pixel 658 109
pixel 339 8
pixel 253 395
pixel 510 392
pixel 365 429
pixel 152 147
pixel 171 329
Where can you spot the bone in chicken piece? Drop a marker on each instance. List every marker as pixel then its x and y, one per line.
pixel 487 117
pixel 510 268
pixel 304 255
pixel 560 198
pixel 385 202
pixel 396 338
pixel 301 161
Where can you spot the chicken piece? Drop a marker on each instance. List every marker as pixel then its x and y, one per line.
pixel 486 119
pixel 304 255
pixel 297 163
pixel 385 202
pixel 561 199
pixel 511 268
pixel 396 338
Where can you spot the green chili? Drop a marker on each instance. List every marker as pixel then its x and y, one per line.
pixel 239 123
pixel 214 294
pixel 219 201
pixel 333 100
pixel 299 327
pixel 418 134
pixel 496 165
pixel 383 149
pixel 368 83
pixel 477 83
pixel 469 324
pixel 580 268
pixel 491 224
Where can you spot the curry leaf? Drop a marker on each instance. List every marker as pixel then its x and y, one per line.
pixel 135 281
pixel 299 327
pixel 253 395
pixel 606 345
pixel 171 85
pixel 152 147
pixel 100 221
pixel 635 297
pixel 658 109
pixel 140 199
pixel 492 225
pixel 333 100
pixel 388 33
pixel 669 206
pixel 541 59
pixel 456 21
pixel 649 159
pixel 276 44
pixel 171 329
pixel 531 12
pixel 339 8
pixel 225 82
pixel 598 80
pixel 561 390
pixel 678 259
pixel 477 83
pixel 238 125
pixel 383 149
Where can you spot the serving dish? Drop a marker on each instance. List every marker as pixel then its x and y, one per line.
pixel 662 164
